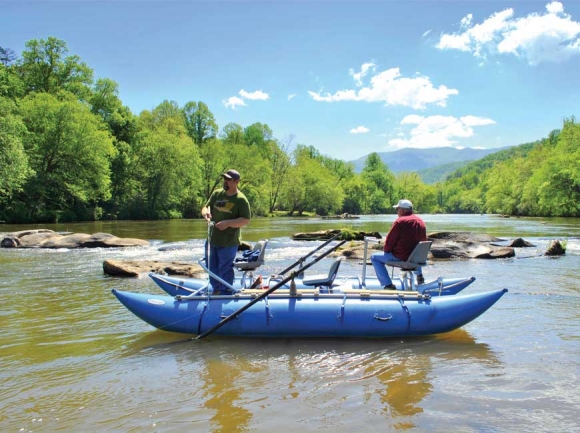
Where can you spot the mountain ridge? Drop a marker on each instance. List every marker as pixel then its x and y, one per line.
pixel 425 161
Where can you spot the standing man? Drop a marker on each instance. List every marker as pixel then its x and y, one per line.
pixel 407 231
pixel 230 211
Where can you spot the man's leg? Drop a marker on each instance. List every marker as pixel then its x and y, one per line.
pixel 419 274
pixel 213 266
pixel 378 261
pixel 225 269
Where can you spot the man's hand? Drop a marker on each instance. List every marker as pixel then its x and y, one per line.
pixel 222 225
pixel 207 216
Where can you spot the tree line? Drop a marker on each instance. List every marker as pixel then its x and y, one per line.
pixel 71 151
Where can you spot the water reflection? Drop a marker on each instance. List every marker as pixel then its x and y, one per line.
pixel 240 381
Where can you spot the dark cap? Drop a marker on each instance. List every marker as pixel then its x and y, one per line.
pixel 231 174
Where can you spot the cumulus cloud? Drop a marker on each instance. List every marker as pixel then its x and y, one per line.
pixel 551 36
pixel 392 89
pixel 258 95
pixel 359 130
pixel 233 102
pixel 437 131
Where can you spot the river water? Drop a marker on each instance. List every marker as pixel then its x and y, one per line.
pixel 73 359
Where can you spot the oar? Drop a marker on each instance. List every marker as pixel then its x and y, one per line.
pixel 301 259
pixel 267 292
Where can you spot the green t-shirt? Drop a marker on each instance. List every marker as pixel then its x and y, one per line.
pixel 226 207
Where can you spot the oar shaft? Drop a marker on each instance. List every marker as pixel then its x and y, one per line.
pixel 266 293
pixel 301 259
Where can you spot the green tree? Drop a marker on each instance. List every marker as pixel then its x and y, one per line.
pixel 47 67
pixel 69 150
pixel 280 164
pixel 122 124
pixel 168 166
pixel 232 133
pixel 259 135
pixel 380 186
pixel 313 187
pixel 213 157
pixel 355 192
pixel 200 122
pixel 255 172
pixel 11 85
pixel 14 168
pixel 409 185
pixel 555 186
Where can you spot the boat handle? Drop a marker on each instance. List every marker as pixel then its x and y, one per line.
pixel 383 319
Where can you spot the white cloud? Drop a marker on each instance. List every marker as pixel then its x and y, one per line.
pixel 466 21
pixel 233 102
pixel 363 71
pixel 257 95
pixel 555 7
pixel 437 131
pixel 292 96
pixel 392 89
pixel 549 37
pixel 359 130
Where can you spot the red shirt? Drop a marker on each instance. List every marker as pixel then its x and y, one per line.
pixel 407 231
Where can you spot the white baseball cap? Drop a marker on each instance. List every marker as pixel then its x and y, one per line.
pixel 404 204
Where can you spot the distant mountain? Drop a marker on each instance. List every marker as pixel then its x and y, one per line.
pixel 440 172
pixel 423 161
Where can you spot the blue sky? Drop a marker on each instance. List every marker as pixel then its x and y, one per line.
pixel 347 77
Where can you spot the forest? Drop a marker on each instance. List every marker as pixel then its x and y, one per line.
pixel 71 151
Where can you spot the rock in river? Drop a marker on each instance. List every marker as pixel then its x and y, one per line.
pixel 50 239
pixel 135 268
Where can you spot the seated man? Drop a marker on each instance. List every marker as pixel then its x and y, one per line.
pixel 407 231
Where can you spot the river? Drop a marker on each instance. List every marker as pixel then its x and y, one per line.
pixel 73 359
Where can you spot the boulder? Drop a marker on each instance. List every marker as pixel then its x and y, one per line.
pixel 323 235
pixel 468 250
pixel 136 268
pixel 320 235
pixel 51 239
pixel 555 249
pixel 26 238
pixel 446 245
pixel 462 237
pixel 520 243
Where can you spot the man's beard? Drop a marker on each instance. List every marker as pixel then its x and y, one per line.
pixel 226 186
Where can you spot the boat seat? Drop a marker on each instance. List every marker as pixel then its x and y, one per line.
pixel 417 259
pixel 256 257
pixel 323 279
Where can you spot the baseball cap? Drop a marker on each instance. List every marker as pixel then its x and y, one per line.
pixel 404 204
pixel 231 174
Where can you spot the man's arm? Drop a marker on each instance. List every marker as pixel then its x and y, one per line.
pixel 392 238
pixel 235 223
